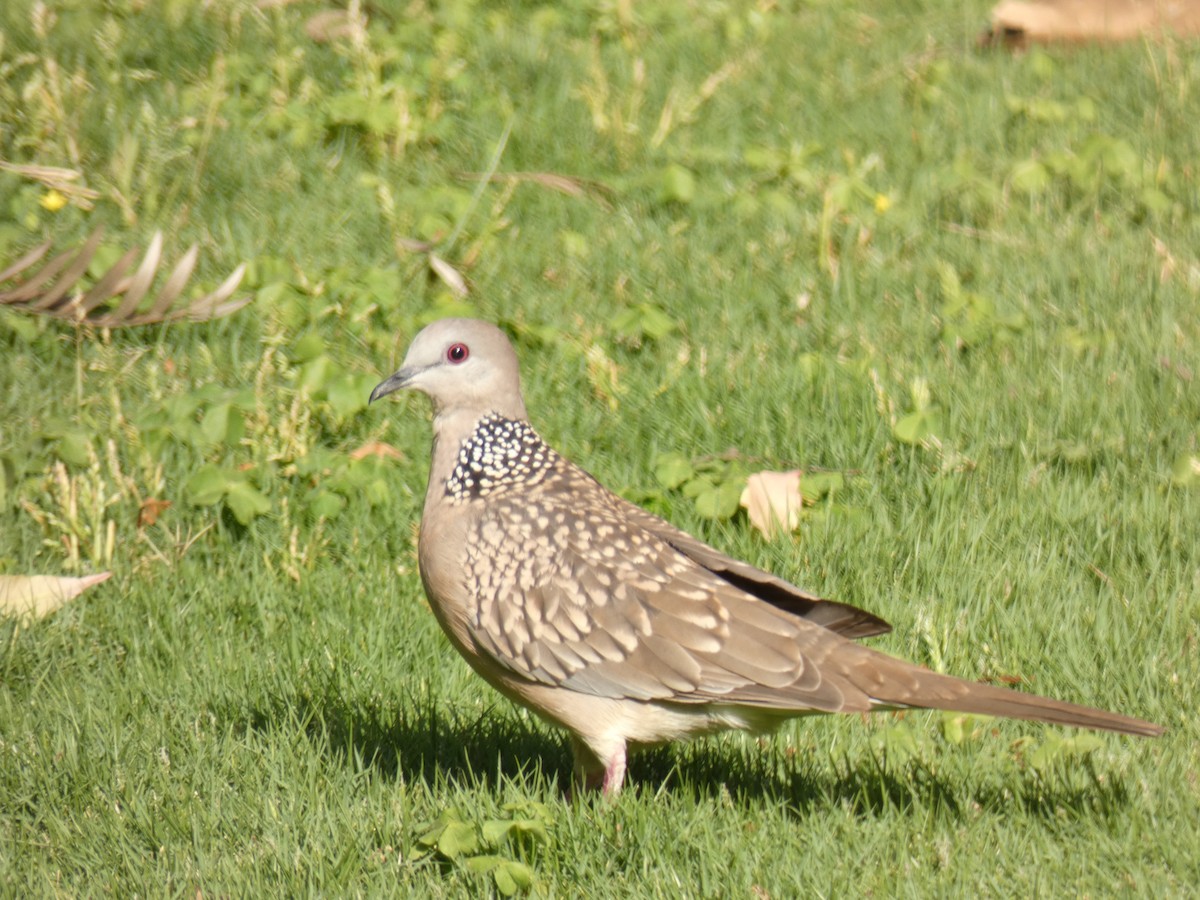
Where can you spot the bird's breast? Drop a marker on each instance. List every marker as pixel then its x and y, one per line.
pixel 440 559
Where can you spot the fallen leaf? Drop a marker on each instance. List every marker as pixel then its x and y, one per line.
pixel 333 24
pixel 773 500
pixel 34 596
pixel 150 510
pixel 376 448
pixel 1009 680
pixel 449 275
pixel 1016 23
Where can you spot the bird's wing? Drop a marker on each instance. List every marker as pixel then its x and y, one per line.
pixel 848 621
pixel 576 595
pixel 580 596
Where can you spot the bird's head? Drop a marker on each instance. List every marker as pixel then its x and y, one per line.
pixel 467 367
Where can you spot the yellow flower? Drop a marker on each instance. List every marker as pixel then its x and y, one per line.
pixel 882 203
pixel 52 201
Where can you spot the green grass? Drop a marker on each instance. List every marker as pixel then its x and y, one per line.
pixel 263 704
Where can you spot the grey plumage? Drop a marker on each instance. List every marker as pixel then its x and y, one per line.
pixel 610 622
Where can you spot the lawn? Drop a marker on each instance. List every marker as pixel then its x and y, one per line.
pixel 959 288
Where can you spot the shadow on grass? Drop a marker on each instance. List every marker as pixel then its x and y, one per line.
pixel 870 786
pixel 422 740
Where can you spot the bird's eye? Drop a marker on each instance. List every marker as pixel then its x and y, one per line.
pixel 457 353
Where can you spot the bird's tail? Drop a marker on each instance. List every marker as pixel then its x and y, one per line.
pixel 930 690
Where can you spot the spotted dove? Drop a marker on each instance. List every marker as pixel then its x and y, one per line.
pixel 613 624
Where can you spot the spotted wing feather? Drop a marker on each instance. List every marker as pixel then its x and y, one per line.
pixel 577 596
pixel 848 621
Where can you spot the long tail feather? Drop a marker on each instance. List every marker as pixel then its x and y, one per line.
pixel 929 690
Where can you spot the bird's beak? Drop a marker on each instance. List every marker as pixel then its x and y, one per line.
pixel 396 382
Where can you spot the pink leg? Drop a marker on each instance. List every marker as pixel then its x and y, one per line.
pixel 591 777
pixel 614 774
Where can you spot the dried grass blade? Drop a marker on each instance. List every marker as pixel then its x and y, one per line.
pixel 563 184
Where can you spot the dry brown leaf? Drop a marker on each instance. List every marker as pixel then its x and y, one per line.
pixel 1012 680
pixel 34 596
pixel 333 24
pixel 1020 22
pixel 773 501
pixel 150 510
pixel 52 290
pixel 376 448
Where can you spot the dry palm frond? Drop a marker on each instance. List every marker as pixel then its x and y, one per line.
pixel 52 290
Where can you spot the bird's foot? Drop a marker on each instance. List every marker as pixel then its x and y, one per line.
pixel 614 774
pixel 607 780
